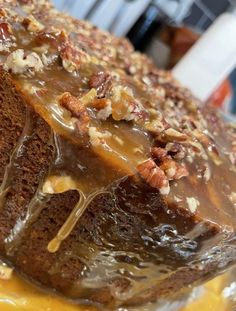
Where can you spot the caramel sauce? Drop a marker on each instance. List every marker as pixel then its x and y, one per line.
pixel 112 149
pixel 17 295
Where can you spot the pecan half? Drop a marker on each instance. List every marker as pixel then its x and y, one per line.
pixel 53 39
pixel 77 109
pixel 102 82
pixel 154 176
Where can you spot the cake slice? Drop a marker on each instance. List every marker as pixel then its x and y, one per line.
pixel 117 186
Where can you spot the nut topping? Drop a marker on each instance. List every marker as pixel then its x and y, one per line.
pixel 18 62
pixel 155 126
pixel 172 135
pixel 176 150
pixel 104 113
pixel 5 31
pixel 173 170
pixel 97 137
pixel 124 105
pixel 72 58
pixel 154 176
pixel 58 184
pixel 102 82
pixel 192 204
pixel 159 153
pixel 89 97
pixel 77 109
pixel 32 24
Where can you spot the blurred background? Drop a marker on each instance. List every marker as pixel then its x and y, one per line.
pixel 164 29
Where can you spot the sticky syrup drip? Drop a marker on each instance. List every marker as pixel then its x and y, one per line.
pixel 72 220
pixel 90 177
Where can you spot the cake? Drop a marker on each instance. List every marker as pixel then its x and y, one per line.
pixel 118 187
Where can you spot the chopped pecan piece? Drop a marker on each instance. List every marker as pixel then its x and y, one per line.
pixel 58 184
pixel 3 13
pixel 155 126
pixel 18 62
pixel 5 31
pixel 77 109
pixel 72 57
pixel 97 137
pixel 6 37
pixel 176 150
pixel 102 82
pixel 173 169
pixel 88 97
pixel 124 105
pixel 171 134
pixel 193 204
pixel 32 24
pixel 100 103
pixel 154 176
pixel 54 40
pixel 169 166
pixel 105 113
pixel 159 153
pixel 103 105
pixel 203 138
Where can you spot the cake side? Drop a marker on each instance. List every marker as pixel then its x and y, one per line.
pixel 26 151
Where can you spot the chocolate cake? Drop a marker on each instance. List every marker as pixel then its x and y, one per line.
pixel 117 186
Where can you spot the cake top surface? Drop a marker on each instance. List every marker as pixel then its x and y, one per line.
pixel 126 117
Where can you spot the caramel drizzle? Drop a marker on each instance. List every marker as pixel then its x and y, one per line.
pixel 72 220
pixel 11 168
